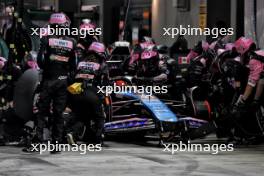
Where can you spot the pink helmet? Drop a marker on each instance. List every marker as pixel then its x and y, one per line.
pixel 147 45
pixel 243 44
pixel 229 46
pixel 2 62
pixel 60 19
pixel 97 47
pixel 30 60
pixel 212 45
pixel 87 26
pixel 148 54
pixel 205 45
pixel 220 51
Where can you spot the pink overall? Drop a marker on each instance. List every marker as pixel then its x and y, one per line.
pixel 255 67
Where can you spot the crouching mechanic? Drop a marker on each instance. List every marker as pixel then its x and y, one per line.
pixel 255 80
pixel 249 101
pixel 87 104
pixel 57 60
pixel 150 68
pixel 9 74
pixel 246 48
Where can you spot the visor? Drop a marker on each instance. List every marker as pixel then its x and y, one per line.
pixel 205 45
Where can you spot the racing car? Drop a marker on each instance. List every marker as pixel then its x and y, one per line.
pixel 169 120
pixel 133 113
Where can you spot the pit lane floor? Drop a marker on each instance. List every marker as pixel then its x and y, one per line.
pixel 134 159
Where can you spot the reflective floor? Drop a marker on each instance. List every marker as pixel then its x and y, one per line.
pixel 134 159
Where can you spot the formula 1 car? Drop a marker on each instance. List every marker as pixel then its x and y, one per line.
pixel 141 114
pixel 133 113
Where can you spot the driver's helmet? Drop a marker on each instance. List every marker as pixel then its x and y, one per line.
pixel 147 43
pixel 149 59
pixel 96 52
pixel 30 60
pixel 2 62
pixel 244 45
pixel 60 19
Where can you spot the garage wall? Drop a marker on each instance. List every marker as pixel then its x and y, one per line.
pixel 260 23
pixel 254 28
pixel 249 20
pixel 165 15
